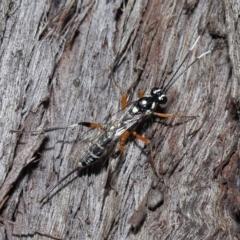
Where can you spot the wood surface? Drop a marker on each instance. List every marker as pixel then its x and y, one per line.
pixel 59 64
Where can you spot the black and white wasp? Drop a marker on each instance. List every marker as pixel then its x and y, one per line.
pixel 123 123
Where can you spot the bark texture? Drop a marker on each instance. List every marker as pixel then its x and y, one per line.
pixel 55 61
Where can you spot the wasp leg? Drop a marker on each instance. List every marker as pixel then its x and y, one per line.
pixel 123 139
pixel 91 125
pixel 146 140
pixel 124 95
pixel 86 124
pixel 167 115
pixel 140 137
pixel 125 136
pixel 124 100
pixel 140 93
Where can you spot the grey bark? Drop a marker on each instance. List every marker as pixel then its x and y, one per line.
pixel 55 62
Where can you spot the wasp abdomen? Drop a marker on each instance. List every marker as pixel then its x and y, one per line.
pixel 95 152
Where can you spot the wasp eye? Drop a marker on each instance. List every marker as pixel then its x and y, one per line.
pixel 162 99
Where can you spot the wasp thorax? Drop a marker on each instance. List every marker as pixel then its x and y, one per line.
pixel 159 95
pixel 146 103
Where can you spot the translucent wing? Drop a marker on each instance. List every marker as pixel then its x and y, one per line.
pixel 123 120
pixel 99 141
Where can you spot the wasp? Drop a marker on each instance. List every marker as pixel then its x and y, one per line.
pixel 123 123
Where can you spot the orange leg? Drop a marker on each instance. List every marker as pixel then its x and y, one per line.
pixel 124 95
pixel 91 125
pixel 140 93
pixel 164 115
pixel 123 139
pixel 167 115
pixel 124 100
pixel 140 137
pixel 146 140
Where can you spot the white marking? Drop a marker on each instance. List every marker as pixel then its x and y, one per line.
pixel 134 110
pixel 194 44
pixel 72 126
pixel 203 54
pixel 153 105
pixel 156 91
pixel 160 98
pixel 144 102
pixel 93 155
pixel 99 146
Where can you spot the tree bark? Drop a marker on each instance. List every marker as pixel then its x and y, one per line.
pixel 63 62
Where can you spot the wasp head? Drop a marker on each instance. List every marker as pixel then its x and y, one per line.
pixel 159 95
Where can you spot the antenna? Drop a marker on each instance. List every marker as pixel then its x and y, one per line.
pixel 190 50
pixel 172 79
pixel 200 56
